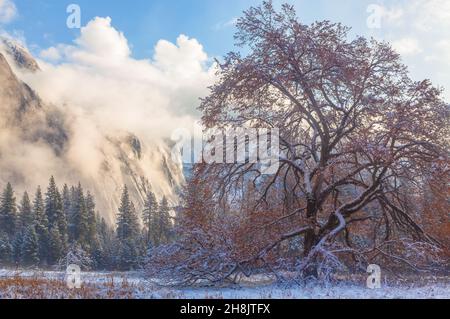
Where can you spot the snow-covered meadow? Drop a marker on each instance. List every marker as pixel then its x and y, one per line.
pixel 40 284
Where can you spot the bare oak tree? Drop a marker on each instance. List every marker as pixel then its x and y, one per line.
pixel 357 134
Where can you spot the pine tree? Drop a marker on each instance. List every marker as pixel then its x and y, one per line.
pixel 133 222
pixel 56 216
pixel 97 249
pixel 66 204
pixel 61 221
pixel 66 199
pixel 128 254
pixel 56 248
pixel 127 220
pixel 149 216
pixel 79 215
pixel 26 218
pixel 51 204
pixel 92 219
pixel 107 239
pixel 94 246
pixel 6 249
pixel 26 214
pixel 124 209
pixel 128 233
pixel 42 226
pixel 8 212
pixel 165 225
pixel 30 247
pixel 72 206
pixel 17 247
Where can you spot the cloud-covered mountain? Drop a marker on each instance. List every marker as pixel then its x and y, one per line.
pixel 21 56
pixel 89 112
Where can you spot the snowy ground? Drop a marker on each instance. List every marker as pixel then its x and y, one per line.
pixel 31 284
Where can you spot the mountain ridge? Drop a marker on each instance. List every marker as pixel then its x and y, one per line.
pixel 34 124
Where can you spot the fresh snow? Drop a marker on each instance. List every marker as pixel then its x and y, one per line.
pixel 142 288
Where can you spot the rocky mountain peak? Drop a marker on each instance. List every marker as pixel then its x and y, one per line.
pixel 20 54
pixel 6 74
pixel 16 96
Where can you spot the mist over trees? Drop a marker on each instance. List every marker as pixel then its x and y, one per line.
pixel 58 228
pixel 364 165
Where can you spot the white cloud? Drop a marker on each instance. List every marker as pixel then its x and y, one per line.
pixel 419 30
pixel 407 46
pixel 108 92
pixel 428 15
pixel 227 24
pixel 8 11
pixel 184 59
pixel 51 54
pixel 393 15
pixel 99 39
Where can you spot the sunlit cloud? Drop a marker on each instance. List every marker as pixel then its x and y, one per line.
pixel 8 11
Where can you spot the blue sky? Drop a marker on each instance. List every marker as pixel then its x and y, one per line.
pixel 145 22
pixel 418 29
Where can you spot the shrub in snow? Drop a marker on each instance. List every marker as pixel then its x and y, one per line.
pixel 76 256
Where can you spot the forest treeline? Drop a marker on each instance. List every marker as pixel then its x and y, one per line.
pixel 59 227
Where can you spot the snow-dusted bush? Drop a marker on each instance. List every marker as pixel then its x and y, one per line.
pixel 76 255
